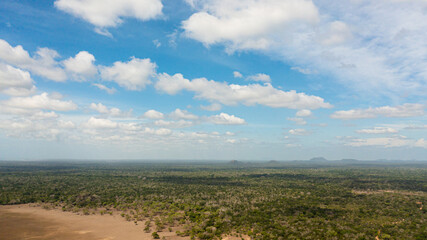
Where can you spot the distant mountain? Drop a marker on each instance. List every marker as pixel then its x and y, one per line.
pixel 318 159
pixel 273 161
pixel 349 160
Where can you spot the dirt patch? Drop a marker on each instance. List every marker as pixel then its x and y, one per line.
pixel 25 222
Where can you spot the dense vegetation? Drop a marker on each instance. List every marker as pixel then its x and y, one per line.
pixel 263 201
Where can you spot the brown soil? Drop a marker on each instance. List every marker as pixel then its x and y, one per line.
pixel 24 222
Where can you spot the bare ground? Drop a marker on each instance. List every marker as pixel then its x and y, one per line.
pixel 25 222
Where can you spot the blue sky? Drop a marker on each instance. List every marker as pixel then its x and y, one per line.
pixel 213 79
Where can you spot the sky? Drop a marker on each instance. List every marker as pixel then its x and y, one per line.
pixel 213 79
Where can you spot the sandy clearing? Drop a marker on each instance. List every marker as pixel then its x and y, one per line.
pixel 28 222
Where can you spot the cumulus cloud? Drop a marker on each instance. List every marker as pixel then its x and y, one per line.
pixel 100 123
pixel 42 128
pixel 405 110
pixel 101 108
pixel 15 82
pixel 183 119
pixel 303 113
pixel 245 24
pixel 174 124
pixel 229 133
pixel 360 50
pixel 260 77
pixel 132 75
pixel 105 88
pixel 377 130
pixel 233 94
pixel 160 132
pixel 95 130
pixel 298 121
pixel 299 132
pixel 81 66
pixel 24 105
pixel 111 112
pixel 153 114
pixel 110 13
pixel 182 114
pixel 42 64
pixel 225 119
pixel 43 115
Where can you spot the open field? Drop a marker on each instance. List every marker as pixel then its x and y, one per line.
pixel 107 200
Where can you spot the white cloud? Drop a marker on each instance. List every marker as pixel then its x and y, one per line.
pixel 233 94
pixel 66 124
pixel 100 123
pixel 103 32
pixel 81 66
pixel 421 143
pixel 213 107
pixel 377 130
pixel 299 132
pixel 405 110
pixel 386 142
pixel 99 108
pixel 337 33
pixel 132 75
pixel 377 50
pixel 260 77
pixel 98 130
pixel 225 119
pixel 303 113
pixel 160 132
pixel 15 82
pixel 396 141
pixel 174 124
pixel 246 24
pixel 113 112
pixel 105 88
pixel 182 114
pixel 43 115
pixel 299 121
pixel 130 127
pixel 306 71
pixel 185 119
pixel 110 13
pixel 23 105
pixel 42 125
pixel 237 74
pixel 43 64
pixel 153 114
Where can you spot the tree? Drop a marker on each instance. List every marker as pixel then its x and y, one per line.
pixel 155 235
